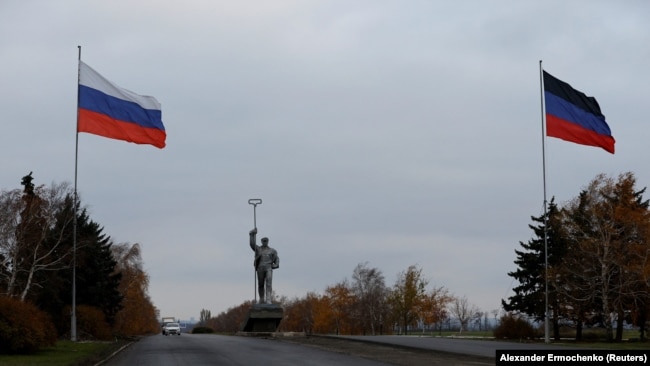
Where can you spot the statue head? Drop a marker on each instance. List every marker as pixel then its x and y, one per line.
pixel 27 182
pixel 265 242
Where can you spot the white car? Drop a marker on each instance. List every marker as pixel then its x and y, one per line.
pixel 171 328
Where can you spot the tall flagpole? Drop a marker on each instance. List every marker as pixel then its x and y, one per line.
pixel 73 315
pixel 546 314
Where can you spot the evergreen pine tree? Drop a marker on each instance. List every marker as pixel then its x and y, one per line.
pixel 530 294
pixel 97 281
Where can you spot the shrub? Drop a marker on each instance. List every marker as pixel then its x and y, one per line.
pixel 202 330
pixel 514 327
pixel 23 327
pixel 91 323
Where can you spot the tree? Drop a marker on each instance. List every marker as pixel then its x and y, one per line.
pixel 321 313
pixel 530 294
pixel 11 205
pixel 370 293
pixel 204 317
pixel 231 319
pixel 97 279
pixel 434 305
pixel 632 219
pixel 306 315
pixel 407 296
pixel 341 298
pixel 137 315
pixel 32 241
pixel 463 310
pixel 609 226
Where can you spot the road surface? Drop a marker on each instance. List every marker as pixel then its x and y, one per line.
pixel 207 349
pixel 204 349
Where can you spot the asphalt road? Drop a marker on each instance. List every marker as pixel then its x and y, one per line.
pixel 455 345
pixel 202 349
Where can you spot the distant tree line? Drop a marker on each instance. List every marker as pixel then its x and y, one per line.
pixel 598 251
pixel 36 268
pixel 365 305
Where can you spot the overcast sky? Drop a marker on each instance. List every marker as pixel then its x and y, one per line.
pixel 396 133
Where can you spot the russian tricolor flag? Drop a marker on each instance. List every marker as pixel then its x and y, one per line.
pixel 107 110
pixel 573 116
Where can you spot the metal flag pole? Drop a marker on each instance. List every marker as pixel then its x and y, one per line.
pixel 546 314
pixel 73 313
pixel 255 202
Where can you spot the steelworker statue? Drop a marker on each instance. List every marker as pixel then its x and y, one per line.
pixel 266 260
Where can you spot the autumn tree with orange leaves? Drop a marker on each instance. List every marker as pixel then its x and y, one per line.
pixel 341 300
pixel 434 306
pixel 606 267
pixel 407 297
pixel 138 314
pixel 230 321
pixel 307 314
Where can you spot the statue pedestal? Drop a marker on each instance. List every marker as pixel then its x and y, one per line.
pixel 263 318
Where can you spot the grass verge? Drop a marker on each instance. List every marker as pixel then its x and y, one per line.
pixel 66 353
pixel 592 338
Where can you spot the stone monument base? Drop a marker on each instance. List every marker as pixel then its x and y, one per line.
pixel 263 318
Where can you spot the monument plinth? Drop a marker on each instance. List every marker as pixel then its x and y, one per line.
pixel 263 318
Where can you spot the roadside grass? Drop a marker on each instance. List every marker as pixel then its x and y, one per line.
pixel 65 353
pixel 592 338
pixel 465 333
